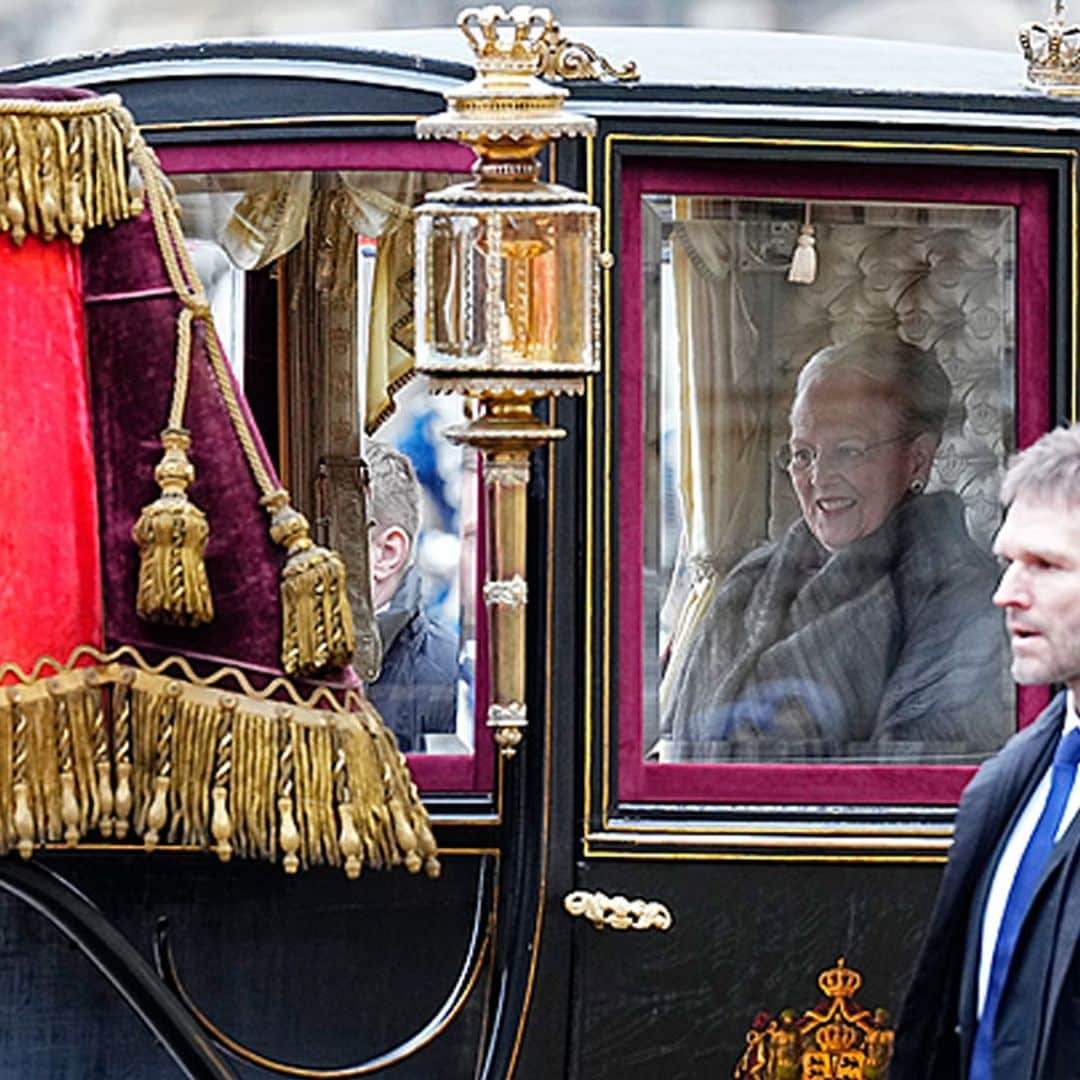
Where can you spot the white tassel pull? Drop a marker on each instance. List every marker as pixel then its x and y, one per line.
pixel 803 269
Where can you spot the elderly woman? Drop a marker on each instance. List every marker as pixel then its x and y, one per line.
pixel 867 627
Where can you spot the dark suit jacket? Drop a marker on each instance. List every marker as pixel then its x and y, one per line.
pixel 1037 1036
pixel 415 691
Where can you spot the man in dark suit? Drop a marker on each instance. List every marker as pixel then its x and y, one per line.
pixel 415 691
pixel 996 993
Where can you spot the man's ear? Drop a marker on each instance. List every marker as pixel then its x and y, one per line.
pixel 389 552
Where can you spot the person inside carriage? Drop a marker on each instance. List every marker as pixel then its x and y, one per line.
pixel 867 626
pixel 416 687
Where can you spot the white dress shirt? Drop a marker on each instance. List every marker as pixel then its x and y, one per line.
pixel 1014 852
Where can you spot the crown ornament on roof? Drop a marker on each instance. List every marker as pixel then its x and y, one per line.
pixel 509 41
pixel 1052 52
pixel 530 40
pixel 506 107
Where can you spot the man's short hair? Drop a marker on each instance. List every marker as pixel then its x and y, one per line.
pixel 395 490
pixel 1049 469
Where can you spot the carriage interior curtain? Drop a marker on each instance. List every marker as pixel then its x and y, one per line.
pixel 724 427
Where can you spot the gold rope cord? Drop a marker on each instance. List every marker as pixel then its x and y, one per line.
pixel 207 765
pixel 64 167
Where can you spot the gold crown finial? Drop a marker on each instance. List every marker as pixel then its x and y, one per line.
pixel 506 112
pixel 839 981
pixel 505 41
pixel 1052 52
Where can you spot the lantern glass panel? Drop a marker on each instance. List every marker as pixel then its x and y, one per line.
pixel 452 287
pixel 546 288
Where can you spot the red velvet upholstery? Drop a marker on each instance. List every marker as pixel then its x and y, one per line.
pixel 50 570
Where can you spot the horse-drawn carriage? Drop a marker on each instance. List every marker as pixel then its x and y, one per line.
pixel 633 863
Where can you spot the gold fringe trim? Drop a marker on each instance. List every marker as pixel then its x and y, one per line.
pixel 64 167
pixel 118 748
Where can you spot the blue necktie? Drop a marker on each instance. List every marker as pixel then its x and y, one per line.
pixel 1023 888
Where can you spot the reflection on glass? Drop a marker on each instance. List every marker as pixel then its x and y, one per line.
pixel 825 457
pixel 423 568
pixel 540 275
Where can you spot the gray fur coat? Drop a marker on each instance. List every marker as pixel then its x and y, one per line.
pixel 890 640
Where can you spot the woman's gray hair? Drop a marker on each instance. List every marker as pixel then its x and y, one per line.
pixel 1049 469
pixel 394 497
pixel 915 378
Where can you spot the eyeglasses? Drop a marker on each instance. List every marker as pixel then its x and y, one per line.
pixel 843 457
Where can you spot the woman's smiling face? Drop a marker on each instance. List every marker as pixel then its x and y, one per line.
pixel 857 466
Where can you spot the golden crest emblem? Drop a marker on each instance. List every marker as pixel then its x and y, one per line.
pixel 835 1040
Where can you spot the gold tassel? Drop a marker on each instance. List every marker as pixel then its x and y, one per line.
pixel 22 819
pixel 349 838
pixel 154 758
pixel 46 762
pixel 288 834
pixel 397 817
pixel 171 533
pixel 317 626
pixel 69 806
pixel 220 823
pixel 98 750
pixel 7 759
pixel 121 746
pixel 349 841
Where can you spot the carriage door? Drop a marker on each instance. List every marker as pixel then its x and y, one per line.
pixel 772 748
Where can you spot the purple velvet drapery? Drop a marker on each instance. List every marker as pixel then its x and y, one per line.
pixel 131 313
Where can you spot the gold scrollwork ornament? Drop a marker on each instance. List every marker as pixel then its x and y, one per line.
pixel 561 58
pixel 618 912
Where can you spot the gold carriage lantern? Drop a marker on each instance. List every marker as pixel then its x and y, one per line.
pixel 507 299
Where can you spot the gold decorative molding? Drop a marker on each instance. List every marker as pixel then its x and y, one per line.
pixel 509 723
pixel 618 912
pixel 570 61
pixel 513 593
pixel 506 473
pixel 836 1040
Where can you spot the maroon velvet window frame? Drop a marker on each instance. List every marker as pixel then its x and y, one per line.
pixel 432 772
pixel 805 784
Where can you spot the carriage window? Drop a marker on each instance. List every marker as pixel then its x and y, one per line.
pixel 309 275
pixel 829 403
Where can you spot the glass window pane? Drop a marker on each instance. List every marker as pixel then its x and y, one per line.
pixel 340 247
pixel 829 395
